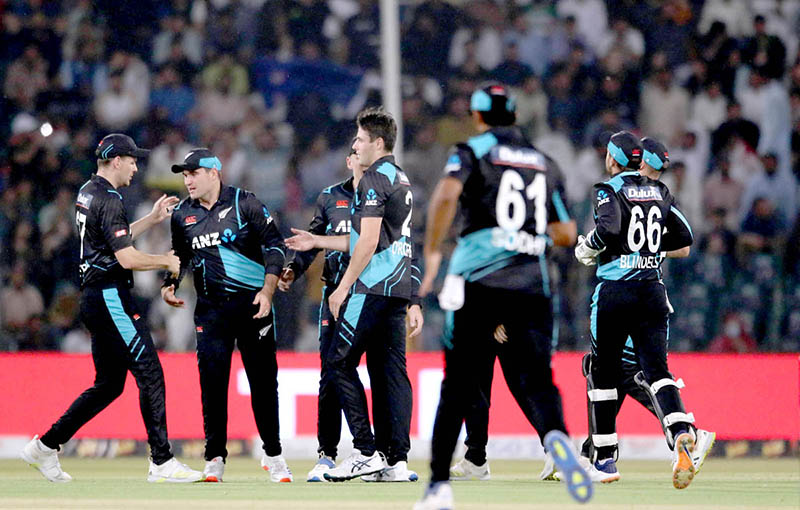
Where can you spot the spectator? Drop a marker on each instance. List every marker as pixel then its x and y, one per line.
pixel 624 38
pixel 511 71
pixel 364 33
pixel 117 109
pixel 709 107
pixel 766 102
pixel 226 70
pixel 734 15
pixel 20 303
pixel 175 30
pixel 723 193
pixel 761 228
pixel 218 107
pixel 664 106
pixel 734 337
pixel 25 78
pixel 532 107
pixel 764 51
pixel 455 125
pixel 159 163
pixel 591 18
pixel 268 162
pixel 687 191
pixel 781 190
pixel 174 99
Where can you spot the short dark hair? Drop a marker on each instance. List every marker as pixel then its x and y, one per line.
pixel 379 124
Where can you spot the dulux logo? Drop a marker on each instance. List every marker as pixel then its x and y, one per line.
pixel 642 194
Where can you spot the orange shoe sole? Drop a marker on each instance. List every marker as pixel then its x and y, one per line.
pixel 683 472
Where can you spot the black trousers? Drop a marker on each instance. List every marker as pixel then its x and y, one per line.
pixel 221 325
pixel 329 410
pixel 637 309
pixel 470 351
pixel 120 342
pixel 374 325
pixel 627 387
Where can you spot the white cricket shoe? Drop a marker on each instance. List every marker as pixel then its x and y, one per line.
pixel 45 460
pixel 278 469
pixel 548 472
pixel 702 447
pixel 356 465
pixel 466 470
pixel 399 472
pixel 438 496
pixel 214 469
pixel 682 465
pixel 323 465
pixel 584 462
pixel 174 472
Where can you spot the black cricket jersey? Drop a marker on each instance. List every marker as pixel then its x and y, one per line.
pixel 511 193
pixel 384 192
pixel 331 217
pixel 230 247
pixel 636 220
pixel 103 228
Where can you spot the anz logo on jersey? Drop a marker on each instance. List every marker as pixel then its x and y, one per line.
pixel 213 239
pixel 343 227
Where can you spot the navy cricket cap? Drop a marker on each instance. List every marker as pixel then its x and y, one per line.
pixel 198 158
pixel 496 104
pixel 117 144
pixel 624 147
pixel 655 154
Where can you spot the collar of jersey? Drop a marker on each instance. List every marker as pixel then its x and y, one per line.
pixel 99 179
pixel 378 162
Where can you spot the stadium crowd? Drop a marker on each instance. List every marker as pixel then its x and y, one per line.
pixel 272 86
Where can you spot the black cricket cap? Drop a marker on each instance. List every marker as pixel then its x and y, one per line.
pixel 117 144
pixel 624 147
pixel 655 153
pixel 198 158
pixel 496 104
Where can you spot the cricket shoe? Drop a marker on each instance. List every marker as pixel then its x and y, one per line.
pixel 323 465
pixel 604 471
pixel 279 471
pixel 548 473
pixel 579 485
pixel 356 465
pixel 585 463
pixel 682 466
pixel 702 447
pixel 467 470
pixel 214 469
pixel 45 460
pixel 398 472
pixel 173 471
pixel 438 496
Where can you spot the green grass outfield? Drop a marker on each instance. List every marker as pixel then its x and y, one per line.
pixel 120 483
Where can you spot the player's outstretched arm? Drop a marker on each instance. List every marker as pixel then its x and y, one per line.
pixel 131 258
pixel 302 240
pixel 162 210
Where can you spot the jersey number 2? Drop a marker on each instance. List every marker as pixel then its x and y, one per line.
pixel 511 209
pixel 406 230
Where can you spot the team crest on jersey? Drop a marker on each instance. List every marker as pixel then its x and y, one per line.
pixel 342 204
pixel 371 198
pixel 643 193
pixel 190 220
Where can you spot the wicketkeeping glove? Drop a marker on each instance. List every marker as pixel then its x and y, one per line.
pixel 585 254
